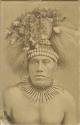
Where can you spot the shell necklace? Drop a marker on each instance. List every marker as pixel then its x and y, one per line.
pixel 37 95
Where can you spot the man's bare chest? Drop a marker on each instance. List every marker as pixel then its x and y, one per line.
pixel 31 113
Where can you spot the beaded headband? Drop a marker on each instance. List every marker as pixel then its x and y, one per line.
pixel 43 50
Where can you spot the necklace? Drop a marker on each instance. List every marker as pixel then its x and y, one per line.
pixel 37 95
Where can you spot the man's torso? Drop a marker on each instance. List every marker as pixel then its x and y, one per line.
pixel 24 111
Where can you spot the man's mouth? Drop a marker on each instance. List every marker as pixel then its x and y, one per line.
pixel 39 76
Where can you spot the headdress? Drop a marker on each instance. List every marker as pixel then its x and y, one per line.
pixel 35 33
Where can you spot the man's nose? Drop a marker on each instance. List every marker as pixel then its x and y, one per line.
pixel 40 67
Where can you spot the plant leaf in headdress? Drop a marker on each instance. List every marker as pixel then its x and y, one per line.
pixel 65 41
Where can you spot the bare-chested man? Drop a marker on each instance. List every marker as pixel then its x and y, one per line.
pixel 38 100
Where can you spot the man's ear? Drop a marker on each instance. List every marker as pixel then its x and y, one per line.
pixel 28 67
pixel 56 66
pixel 56 69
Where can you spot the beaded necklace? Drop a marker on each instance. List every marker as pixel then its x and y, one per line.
pixel 38 95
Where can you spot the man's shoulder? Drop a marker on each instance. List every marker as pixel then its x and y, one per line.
pixel 65 94
pixel 12 91
pixel 66 98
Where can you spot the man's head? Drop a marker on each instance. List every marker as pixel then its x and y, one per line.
pixel 42 63
pixel 41 71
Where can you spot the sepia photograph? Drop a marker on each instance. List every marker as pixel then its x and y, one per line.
pixel 39 63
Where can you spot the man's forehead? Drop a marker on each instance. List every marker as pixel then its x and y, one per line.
pixel 41 58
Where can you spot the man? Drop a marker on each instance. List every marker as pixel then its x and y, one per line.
pixel 39 100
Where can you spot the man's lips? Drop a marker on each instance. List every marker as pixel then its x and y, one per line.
pixel 40 76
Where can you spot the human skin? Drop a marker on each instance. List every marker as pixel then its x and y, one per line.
pixel 42 71
pixel 60 110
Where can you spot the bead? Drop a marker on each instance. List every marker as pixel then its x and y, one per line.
pixel 57 29
pixel 16 23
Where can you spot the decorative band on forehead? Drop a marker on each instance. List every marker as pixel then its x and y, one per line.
pixel 43 52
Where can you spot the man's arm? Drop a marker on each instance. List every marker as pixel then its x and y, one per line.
pixel 7 105
pixel 70 116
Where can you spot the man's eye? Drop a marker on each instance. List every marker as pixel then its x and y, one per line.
pixel 46 61
pixel 34 62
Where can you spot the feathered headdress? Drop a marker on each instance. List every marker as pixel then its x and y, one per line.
pixel 40 32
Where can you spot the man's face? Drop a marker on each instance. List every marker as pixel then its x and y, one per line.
pixel 41 71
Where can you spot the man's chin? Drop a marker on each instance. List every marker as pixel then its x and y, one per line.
pixel 41 85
